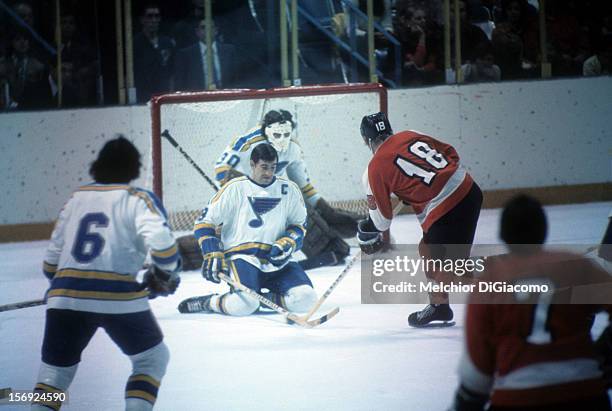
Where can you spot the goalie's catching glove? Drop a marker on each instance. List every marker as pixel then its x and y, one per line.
pixel 369 238
pixel 160 282
pixel 214 263
pixel 281 251
pixel 344 222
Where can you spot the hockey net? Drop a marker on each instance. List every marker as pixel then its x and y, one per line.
pixel 204 123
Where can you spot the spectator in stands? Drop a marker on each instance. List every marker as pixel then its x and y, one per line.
pixel 184 31
pixel 421 44
pixel 191 63
pixel 77 49
pixel 516 40
pixel 484 68
pixel 44 94
pixel 153 56
pixel 601 62
pixel 24 69
pixel 493 8
pixel 471 35
pixel 481 17
pixel 568 40
pixel 24 10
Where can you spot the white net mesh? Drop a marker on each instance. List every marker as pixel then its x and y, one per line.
pixel 327 129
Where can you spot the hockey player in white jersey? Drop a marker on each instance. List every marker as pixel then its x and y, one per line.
pixel 98 245
pixel 326 225
pixel 262 219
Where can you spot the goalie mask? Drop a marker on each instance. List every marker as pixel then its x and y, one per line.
pixel 279 135
pixel 277 127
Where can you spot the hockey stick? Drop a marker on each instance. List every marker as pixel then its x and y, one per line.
pixel 175 144
pixel 23 304
pixel 291 317
pixel 344 272
pixel 331 288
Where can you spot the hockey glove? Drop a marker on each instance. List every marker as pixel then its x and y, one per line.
pixel 214 263
pixel 344 222
pixel 369 238
pixel 160 282
pixel 281 251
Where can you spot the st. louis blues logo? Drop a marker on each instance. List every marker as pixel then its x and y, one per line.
pixel 260 206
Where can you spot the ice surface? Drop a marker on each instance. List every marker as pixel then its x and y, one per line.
pixel 366 358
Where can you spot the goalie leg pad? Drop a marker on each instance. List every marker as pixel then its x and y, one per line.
pixel 318 234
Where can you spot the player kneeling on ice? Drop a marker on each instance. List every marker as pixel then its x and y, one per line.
pixel 323 245
pixel 262 220
pixel 99 243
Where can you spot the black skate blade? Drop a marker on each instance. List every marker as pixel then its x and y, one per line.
pixel 435 324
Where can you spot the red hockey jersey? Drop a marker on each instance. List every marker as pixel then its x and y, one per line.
pixel 420 171
pixel 529 355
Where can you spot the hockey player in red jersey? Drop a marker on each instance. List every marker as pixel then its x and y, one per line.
pixel 532 356
pixel 426 174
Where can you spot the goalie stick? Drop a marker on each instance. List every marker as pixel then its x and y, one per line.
pixel 291 317
pixel 166 134
pixel 22 304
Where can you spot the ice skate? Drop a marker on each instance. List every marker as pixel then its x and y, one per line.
pixel 196 305
pixel 434 315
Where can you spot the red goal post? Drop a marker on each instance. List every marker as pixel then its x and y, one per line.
pixel 203 123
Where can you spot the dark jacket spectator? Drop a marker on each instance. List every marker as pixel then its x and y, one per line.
pixel 23 68
pixel 516 40
pixel 190 67
pixel 153 57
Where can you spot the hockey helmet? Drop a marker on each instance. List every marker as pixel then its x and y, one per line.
pixel 375 127
pixel 277 127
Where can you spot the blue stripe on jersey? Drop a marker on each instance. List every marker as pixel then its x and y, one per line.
pixel 203 232
pixel 241 141
pixel 164 260
pixel 80 284
pixel 260 250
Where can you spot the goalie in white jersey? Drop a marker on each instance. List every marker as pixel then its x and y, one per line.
pixel 98 245
pixel 262 220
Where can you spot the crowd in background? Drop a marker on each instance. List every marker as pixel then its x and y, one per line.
pixel 500 40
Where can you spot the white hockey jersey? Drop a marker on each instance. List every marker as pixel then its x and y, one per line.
pixel 290 162
pixel 99 244
pixel 253 217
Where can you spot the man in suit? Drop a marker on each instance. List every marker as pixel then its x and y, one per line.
pixel 191 66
